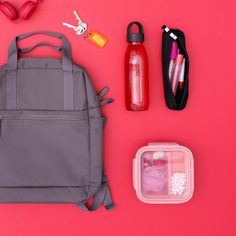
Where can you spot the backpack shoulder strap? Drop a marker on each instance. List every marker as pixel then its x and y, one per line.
pixel 103 196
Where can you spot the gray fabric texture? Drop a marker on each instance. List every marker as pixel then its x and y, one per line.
pixel 51 130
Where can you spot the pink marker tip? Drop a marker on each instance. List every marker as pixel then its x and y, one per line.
pixel 179 59
pixel 174 50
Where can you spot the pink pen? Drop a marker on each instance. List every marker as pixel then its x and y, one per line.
pixel 174 52
pixel 175 75
pixel 181 75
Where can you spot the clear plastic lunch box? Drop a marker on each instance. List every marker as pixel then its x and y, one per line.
pixel 163 173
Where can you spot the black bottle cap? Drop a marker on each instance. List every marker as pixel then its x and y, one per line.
pixel 135 37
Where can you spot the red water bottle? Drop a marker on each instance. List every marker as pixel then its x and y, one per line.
pixel 136 71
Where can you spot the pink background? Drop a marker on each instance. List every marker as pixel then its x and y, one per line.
pixel 206 126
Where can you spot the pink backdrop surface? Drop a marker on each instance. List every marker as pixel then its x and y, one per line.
pixel 206 126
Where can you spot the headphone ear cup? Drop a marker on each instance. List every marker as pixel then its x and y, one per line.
pixel 9 10
pixel 27 9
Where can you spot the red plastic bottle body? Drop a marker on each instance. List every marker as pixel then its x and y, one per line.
pixel 136 78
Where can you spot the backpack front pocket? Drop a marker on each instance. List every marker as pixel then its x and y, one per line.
pixel 44 149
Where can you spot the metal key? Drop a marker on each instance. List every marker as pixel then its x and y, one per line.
pixel 81 28
pixel 77 17
pixel 70 26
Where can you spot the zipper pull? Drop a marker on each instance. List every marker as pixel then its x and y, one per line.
pixel 169 32
pixel 102 92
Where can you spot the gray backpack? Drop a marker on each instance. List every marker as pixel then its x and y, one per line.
pixel 51 130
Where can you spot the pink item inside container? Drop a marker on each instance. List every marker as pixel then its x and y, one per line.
pixel 163 173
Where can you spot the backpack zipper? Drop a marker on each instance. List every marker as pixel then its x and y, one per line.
pixel 40 117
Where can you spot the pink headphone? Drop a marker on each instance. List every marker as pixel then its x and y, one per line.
pixel 26 11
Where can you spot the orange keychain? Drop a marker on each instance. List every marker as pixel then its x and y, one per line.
pixel 82 29
pixel 97 39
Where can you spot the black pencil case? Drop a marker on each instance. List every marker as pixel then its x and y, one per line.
pixel 179 100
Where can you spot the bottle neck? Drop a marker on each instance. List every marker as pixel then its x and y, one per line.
pixel 136 43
